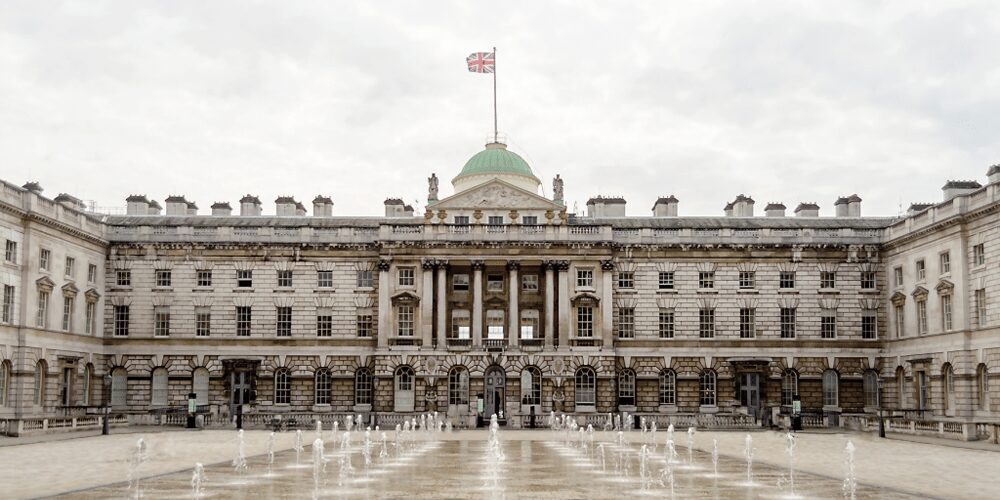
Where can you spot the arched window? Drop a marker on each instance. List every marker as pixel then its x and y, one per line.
pixel 531 386
pixel 322 386
pixel 900 387
pixel 586 387
pixel 982 387
pixel 41 372
pixel 161 383
pixel 789 386
pixel 626 387
pixel 706 388
pixel 88 383
pixel 199 385
pixel 458 386
pixel 119 387
pixel 870 382
pixel 668 387
pixel 362 387
pixel 831 388
pixel 948 386
pixel 4 381
pixel 405 391
pixel 282 386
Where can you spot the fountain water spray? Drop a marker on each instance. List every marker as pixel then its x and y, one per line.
pixel 383 453
pixel 494 454
pixel 319 429
pixel 643 473
pixel 197 478
pixel 670 432
pixel 715 457
pixel 669 460
pixel 297 446
pixel 790 448
pixel 136 458
pixel 366 450
pixel 604 465
pixel 851 480
pixel 240 461
pixel 348 423
pixel 748 453
pixel 609 425
pixel 319 465
pixel 652 434
pixel 270 452
pixel 690 445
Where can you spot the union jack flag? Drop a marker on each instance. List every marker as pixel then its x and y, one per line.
pixel 481 62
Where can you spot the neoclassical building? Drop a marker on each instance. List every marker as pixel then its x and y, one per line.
pixel 496 298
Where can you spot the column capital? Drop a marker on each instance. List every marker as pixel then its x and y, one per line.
pixel 562 265
pixel 478 265
pixel 513 265
pixel 383 264
pixel 608 265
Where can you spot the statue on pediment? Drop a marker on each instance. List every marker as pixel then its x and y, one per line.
pixel 432 188
pixel 557 188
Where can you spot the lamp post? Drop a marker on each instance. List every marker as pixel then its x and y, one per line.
pixel 106 426
pixel 881 416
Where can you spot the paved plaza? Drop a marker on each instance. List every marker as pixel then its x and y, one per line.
pixel 889 467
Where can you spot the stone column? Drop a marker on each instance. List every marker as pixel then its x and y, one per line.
pixel 607 303
pixel 427 303
pixel 477 302
pixel 384 308
pixel 564 305
pixel 514 319
pixel 442 303
pixel 550 303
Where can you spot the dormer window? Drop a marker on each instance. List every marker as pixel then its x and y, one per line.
pixel 529 220
pixel 495 220
pixel 461 220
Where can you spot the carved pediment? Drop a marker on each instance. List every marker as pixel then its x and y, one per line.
pixel 495 194
pixel 45 284
pixel 919 293
pixel 405 298
pixel 944 287
pixel 92 295
pixel 585 299
pixel 70 289
pixel 898 298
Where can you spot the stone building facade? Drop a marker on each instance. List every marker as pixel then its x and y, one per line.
pixel 499 295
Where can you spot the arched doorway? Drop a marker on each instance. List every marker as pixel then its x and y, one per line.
pixel 404 390
pixel 496 392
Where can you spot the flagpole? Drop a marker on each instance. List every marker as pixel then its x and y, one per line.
pixel 495 134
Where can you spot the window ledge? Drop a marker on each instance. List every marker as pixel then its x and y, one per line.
pixel 202 289
pixel 283 290
pixel 666 290
pixel 163 289
pixel 788 290
pixel 748 290
pixel 833 291
pixel 243 290
pixel 365 289
pixel 708 290
pixel 627 291
pixel 870 290
pixel 585 289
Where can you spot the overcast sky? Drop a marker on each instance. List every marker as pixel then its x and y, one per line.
pixel 783 101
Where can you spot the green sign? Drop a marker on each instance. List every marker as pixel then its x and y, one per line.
pixel 192 405
pixel 480 405
pixel 796 407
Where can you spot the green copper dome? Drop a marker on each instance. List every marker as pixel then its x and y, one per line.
pixel 496 159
